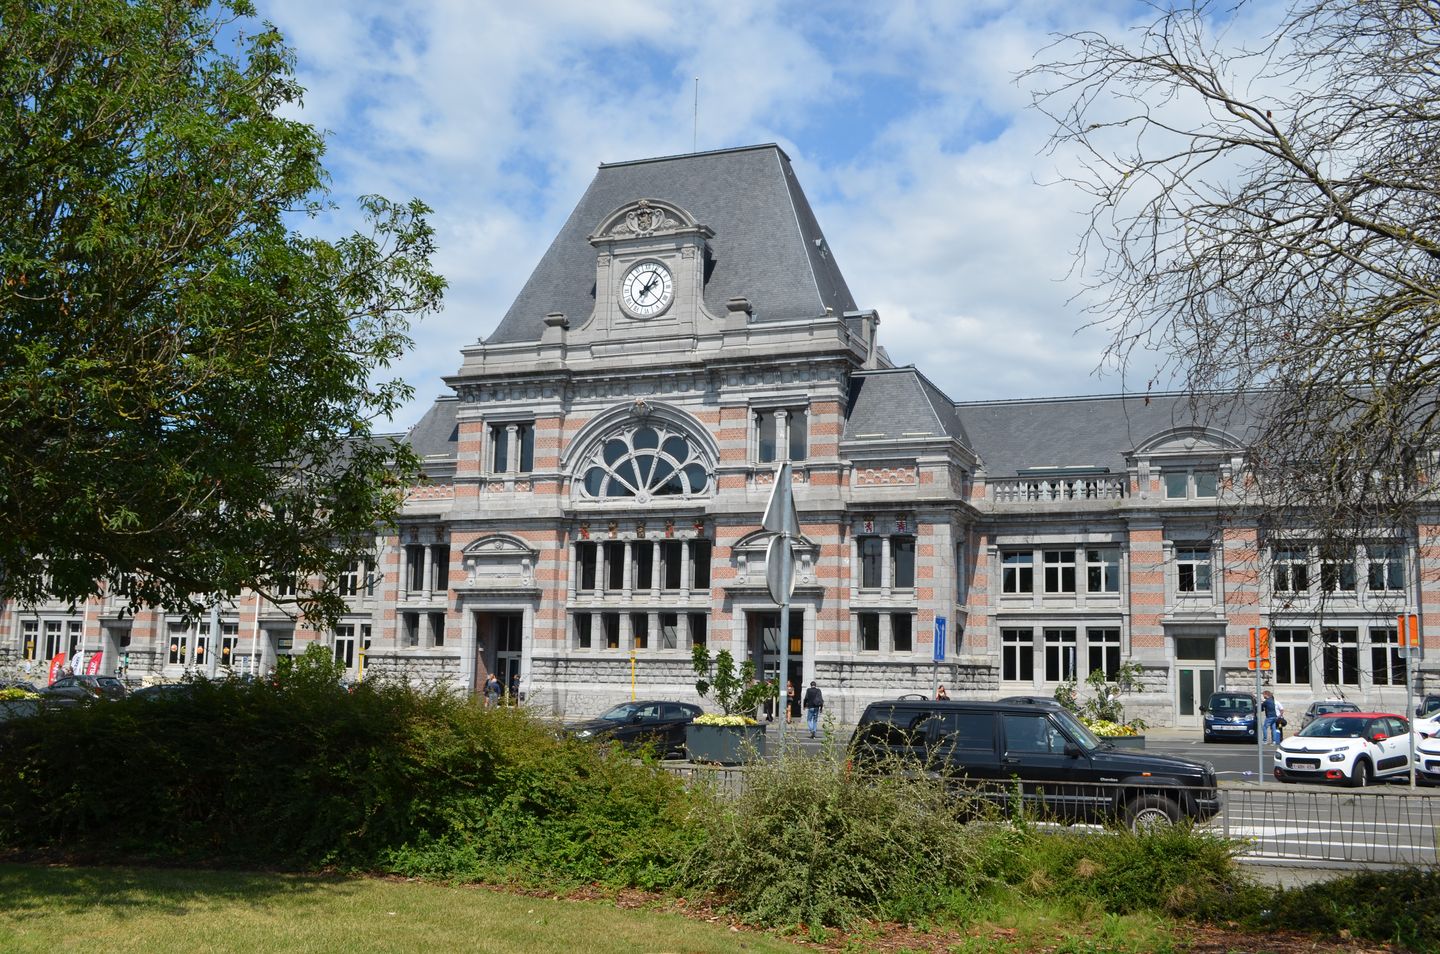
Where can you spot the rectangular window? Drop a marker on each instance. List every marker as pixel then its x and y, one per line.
pixel 345 646
pixel 179 644
pixel 1103 647
pixel 229 643
pixel 1385 568
pixel 1017 654
pixel 902 632
pixel 644 554
pixel 504 451
pixel 669 630
pixel 414 568
pixel 1059 571
pixel 437 629
pixel 585 566
pixel 202 643
pixel 871 551
pixel 29 638
pixel 640 630
pixel 353 580
pixel 499 449
pixel 799 435
pixel 1192 569
pixel 74 632
pixel 1060 655
pixel 1291 571
pixel 526 436
pixel 1018 573
pixel 672 559
pixel 582 630
pixel 440 567
pixel 902 563
pixel 1102 570
pixel 1387 668
pixel 410 624
pixel 1337 573
pixel 614 567
pixel 1292 656
pixel 1341 657
pixel 1177 484
pixel 1207 482
pixel 869 624
pixel 700 559
pixel 699 635
pixel 765 436
pixel 54 642
pixel 610 623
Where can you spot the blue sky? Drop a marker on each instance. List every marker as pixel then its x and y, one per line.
pixel 904 121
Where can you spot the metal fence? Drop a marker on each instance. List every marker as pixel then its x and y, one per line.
pixel 1379 827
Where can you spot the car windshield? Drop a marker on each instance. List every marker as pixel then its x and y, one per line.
pixel 622 712
pixel 1336 727
pixel 1077 729
pixel 1232 704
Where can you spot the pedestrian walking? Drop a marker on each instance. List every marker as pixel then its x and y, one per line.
pixel 514 688
pixel 491 691
pixel 941 695
pixel 790 701
pixel 814 701
pixel 1271 710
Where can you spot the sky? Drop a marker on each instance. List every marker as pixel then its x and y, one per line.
pixel 908 130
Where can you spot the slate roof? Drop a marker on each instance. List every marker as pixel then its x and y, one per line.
pixel 900 402
pixel 767 245
pixel 436 433
pixel 1011 436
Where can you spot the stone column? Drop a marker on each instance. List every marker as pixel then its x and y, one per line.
pixel 782 434
pixel 512 449
pixel 628 582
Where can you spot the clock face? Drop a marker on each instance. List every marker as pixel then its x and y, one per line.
pixel 647 289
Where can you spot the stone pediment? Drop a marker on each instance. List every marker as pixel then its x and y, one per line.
pixel 499 560
pixel 1188 442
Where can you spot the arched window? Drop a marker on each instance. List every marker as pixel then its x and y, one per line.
pixel 646 460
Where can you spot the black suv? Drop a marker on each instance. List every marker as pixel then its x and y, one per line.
pixel 1061 767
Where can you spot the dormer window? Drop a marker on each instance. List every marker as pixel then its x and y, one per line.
pixel 1190 483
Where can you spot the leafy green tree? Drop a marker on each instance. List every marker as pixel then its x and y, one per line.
pixel 187 383
pixel 736 691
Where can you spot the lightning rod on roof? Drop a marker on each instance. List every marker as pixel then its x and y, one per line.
pixel 695 127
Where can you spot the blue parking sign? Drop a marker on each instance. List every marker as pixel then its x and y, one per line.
pixel 939 638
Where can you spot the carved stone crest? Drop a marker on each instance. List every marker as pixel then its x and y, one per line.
pixel 644 219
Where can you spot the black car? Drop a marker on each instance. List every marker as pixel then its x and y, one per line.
pixel 1326 707
pixel 1062 768
pixel 86 689
pixel 656 723
pixel 1230 715
pixel 164 691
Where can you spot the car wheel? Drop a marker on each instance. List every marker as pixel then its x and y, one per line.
pixel 1361 775
pixel 1151 812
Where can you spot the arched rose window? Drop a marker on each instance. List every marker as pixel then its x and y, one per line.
pixel 645 461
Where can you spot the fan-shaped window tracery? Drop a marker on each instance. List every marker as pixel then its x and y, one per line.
pixel 648 460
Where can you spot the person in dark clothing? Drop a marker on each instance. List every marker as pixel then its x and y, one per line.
pixel 814 701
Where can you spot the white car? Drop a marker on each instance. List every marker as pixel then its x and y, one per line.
pixel 1351 747
pixel 1427 760
pixel 1427 728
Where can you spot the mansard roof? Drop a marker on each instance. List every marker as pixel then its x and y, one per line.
pixel 1100 432
pixel 436 433
pixel 767 245
pixel 899 403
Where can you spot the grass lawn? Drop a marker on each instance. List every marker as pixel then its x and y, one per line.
pixel 157 911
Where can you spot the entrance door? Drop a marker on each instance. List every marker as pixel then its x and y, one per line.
pixel 498 648
pixel 765 651
pixel 1193 686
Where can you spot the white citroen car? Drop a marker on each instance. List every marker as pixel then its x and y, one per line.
pixel 1355 748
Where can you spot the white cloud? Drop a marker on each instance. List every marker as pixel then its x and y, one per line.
pixel 904 121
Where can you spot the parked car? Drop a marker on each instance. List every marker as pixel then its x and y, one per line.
pixel 1427 761
pixel 1354 748
pixel 1429 706
pixel 20 684
pixel 1064 771
pixel 1427 728
pixel 163 691
pixel 86 689
pixel 657 723
pixel 1230 715
pixel 1326 707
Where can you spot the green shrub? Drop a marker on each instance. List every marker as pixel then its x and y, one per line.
pixel 1395 906
pixel 812 843
pixel 302 773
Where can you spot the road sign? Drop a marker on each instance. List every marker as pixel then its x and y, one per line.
pixel 779 571
pixel 939 638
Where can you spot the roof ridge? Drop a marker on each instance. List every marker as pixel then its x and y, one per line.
pixel 691 155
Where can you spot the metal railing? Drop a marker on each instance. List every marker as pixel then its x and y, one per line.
pixel 1376 827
